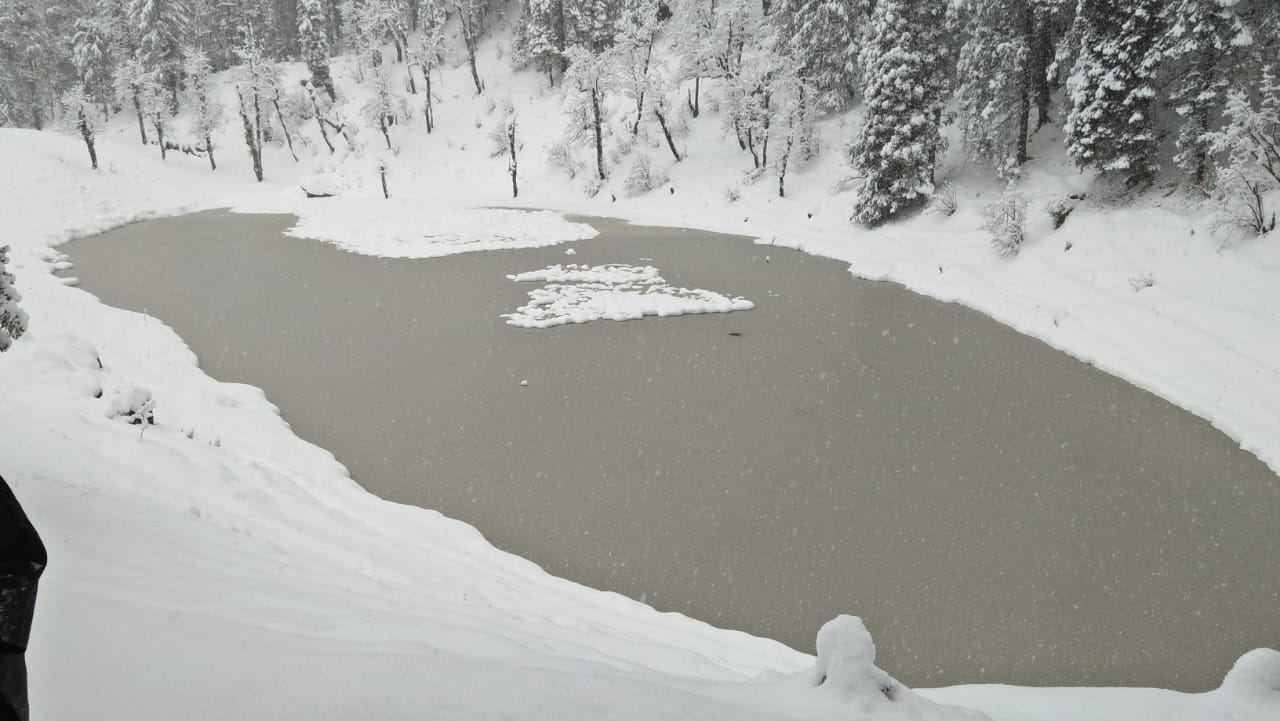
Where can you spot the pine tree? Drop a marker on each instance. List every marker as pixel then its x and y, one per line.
pixel 995 85
pixel 313 34
pixel 13 320
pixel 824 37
pixel 206 112
pixel 1204 41
pixel 540 39
pixel 79 118
pixel 1111 90
pixel 28 64
pixel 900 140
pixel 91 53
pixel 162 29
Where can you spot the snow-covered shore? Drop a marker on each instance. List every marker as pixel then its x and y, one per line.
pixel 239 571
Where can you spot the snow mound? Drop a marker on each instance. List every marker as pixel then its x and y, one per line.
pixel 412 229
pixel 846 657
pixel 1257 671
pixel 580 294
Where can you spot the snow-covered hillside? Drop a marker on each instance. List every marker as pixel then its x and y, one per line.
pixel 216 566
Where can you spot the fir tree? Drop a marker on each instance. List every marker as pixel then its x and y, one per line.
pixel 13 320
pixel 823 37
pixel 161 26
pixel 995 84
pixel 1111 91
pixel 900 140
pixel 313 35
pixel 1204 40
pixel 91 53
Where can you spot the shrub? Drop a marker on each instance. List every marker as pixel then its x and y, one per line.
pixel 944 201
pixel 1006 221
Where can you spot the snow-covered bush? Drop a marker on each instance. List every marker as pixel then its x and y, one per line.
pixel 591 186
pixel 1060 208
pixel 1006 221
pixel 847 659
pixel 733 193
pixel 559 156
pixel 499 140
pixel 944 201
pixel 13 320
pixel 1251 143
pixel 133 404
pixel 643 177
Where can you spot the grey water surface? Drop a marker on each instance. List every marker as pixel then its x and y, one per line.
pixel 995 510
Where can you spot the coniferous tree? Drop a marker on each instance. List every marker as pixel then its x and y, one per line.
pixel 161 27
pixel 313 35
pixel 824 37
pixel 995 84
pixel 540 40
pixel 28 64
pixel 13 320
pixel 1204 41
pixel 94 62
pixel 1111 90
pixel 899 143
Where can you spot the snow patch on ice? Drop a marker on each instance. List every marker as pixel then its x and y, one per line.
pixel 579 294
pixel 412 229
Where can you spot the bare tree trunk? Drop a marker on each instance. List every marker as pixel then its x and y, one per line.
pixel 382 125
pixel 597 122
pixel 1040 45
pixel 288 137
pixel 87 135
pixel 208 145
pixel 695 97
pixel 413 84
pixel 428 111
pixel 250 138
pixel 512 166
pixel 648 58
pixel 382 172
pixel 475 73
pixel 662 122
pixel 137 108
pixel 315 105
pixel 157 122
pixel 1025 82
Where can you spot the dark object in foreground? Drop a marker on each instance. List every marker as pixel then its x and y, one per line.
pixel 22 560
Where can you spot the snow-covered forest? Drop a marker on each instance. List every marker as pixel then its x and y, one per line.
pixel 1178 91
pixel 1102 175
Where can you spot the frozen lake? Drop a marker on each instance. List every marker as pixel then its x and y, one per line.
pixel 994 509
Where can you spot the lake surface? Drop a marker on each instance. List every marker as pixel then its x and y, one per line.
pixel 994 509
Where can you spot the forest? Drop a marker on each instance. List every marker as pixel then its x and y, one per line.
pixel 1181 91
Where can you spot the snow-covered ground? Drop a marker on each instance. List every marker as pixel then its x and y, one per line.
pixel 216 566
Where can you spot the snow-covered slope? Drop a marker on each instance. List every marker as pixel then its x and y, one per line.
pixel 216 566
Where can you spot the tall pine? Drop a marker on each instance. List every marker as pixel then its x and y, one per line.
pixel 313 34
pixel 824 36
pixel 995 84
pixel 161 26
pixel 1204 43
pixel 900 140
pixel 1111 90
